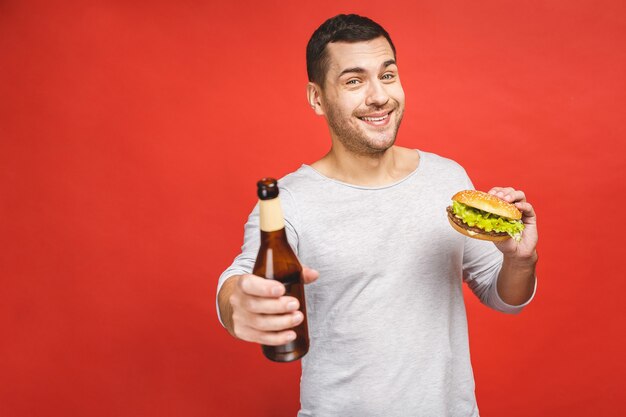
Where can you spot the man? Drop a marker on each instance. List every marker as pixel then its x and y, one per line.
pixel 385 306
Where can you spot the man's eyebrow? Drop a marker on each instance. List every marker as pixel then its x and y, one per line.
pixel 359 70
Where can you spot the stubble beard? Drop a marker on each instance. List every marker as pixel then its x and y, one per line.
pixel 356 140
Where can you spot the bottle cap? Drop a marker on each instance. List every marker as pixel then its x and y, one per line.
pixel 267 188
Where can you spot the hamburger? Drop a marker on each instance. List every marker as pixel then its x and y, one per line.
pixel 484 216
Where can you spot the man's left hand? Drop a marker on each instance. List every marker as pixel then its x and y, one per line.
pixel 525 249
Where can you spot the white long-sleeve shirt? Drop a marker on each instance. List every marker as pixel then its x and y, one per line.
pixel 386 317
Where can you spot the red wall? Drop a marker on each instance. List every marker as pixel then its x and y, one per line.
pixel 131 137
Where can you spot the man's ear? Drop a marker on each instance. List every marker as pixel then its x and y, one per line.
pixel 314 96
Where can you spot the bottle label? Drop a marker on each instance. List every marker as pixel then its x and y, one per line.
pixel 271 215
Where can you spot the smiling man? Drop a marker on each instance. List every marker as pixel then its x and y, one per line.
pixel 358 90
pixel 386 316
pixel 363 104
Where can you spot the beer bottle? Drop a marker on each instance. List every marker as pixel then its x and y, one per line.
pixel 277 261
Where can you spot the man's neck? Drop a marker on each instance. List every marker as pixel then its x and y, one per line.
pixel 372 170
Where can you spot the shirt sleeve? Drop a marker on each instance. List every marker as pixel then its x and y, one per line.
pixel 482 263
pixel 244 262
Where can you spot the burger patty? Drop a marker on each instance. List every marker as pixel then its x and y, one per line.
pixel 464 225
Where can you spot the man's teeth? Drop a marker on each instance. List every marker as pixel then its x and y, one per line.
pixel 375 119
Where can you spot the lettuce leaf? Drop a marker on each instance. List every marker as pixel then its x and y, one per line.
pixel 488 222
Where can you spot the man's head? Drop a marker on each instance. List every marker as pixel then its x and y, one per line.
pixel 355 83
pixel 348 28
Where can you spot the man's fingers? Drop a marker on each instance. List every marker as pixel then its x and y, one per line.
pixel 528 212
pixel 264 305
pixel 261 311
pixel 508 194
pixel 276 338
pixel 504 193
pixel 266 329
pixel 309 275
pixel 275 322
pixel 267 338
pixel 260 287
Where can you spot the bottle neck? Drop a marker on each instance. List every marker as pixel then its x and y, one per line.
pixel 271 215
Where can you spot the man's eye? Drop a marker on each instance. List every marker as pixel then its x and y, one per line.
pixel 353 82
pixel 388 76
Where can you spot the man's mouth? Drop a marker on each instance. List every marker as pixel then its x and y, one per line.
pixel 376 119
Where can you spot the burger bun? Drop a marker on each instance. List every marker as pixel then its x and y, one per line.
pixel 487 202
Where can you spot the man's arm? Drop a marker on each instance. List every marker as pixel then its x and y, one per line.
pixel 225 308
pixel 516 281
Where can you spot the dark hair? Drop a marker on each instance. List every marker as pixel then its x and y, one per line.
pixel 341 28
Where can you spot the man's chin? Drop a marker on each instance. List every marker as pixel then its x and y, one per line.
pixel 382 147
pixel 377 146
pixel 382 140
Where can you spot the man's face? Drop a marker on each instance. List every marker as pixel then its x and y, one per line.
pixel 362 97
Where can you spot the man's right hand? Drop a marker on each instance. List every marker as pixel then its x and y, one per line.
pixel 255 309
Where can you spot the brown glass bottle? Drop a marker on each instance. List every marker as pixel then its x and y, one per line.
pixel 277 261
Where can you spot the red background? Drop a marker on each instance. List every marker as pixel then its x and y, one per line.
pixel 131 136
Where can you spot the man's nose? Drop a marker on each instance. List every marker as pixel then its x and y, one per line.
pixel 376 94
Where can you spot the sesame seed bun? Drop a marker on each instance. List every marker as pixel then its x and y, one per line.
pixel 487 202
